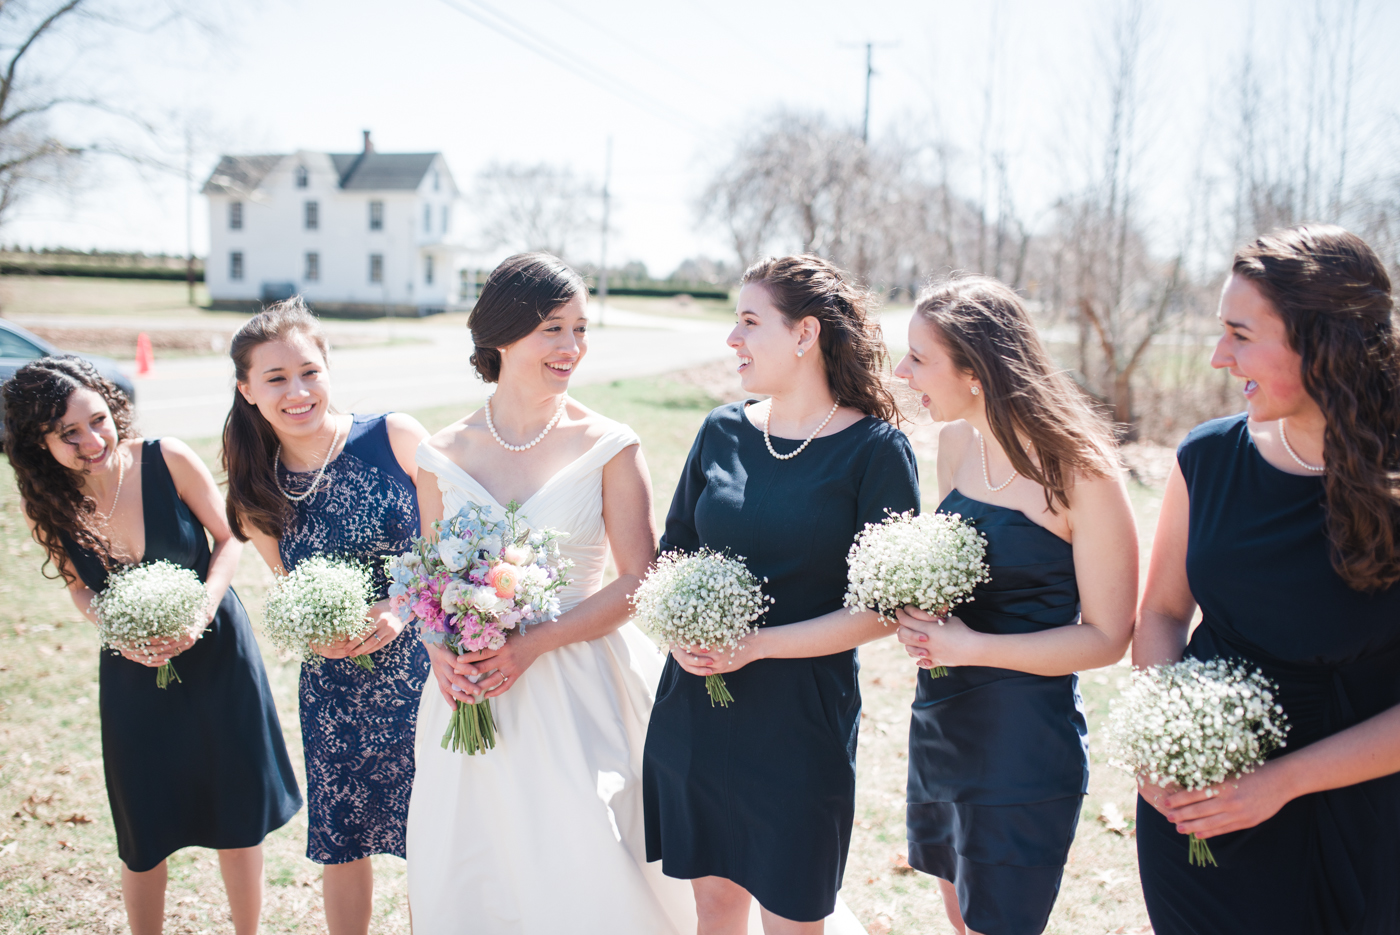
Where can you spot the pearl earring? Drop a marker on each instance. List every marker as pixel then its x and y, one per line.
pixel 799 352
pixel 975 391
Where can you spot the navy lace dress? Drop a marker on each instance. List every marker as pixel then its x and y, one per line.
pixel 998 765
pixel 763 792
pixel 357 727
pixel 200 763
pixel 1258 563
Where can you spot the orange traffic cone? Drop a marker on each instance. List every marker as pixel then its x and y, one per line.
pixel 145 358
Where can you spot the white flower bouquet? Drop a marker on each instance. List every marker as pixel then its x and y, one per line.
pixel 468 584
pixel 701 599
pixel 1194 724
pixel 932 561
pixel 320 601
pixel 155 600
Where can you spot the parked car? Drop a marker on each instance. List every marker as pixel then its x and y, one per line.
pixel 18 347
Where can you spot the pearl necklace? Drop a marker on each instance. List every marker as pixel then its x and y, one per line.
pixel 315 481
pixel 121 477
pixel 1283 437
pixel 558 414
pixel 767 440
pixel 988 477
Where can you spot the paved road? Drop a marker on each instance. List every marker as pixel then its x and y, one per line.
pixel 189 397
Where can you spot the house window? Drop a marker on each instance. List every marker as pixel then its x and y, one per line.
pixel 313 215
pixel 376 215
pixel 436 180
pixel 235 265
pixel 302 176
pixel 376 267
pixel 235 215
pixel 427 219
pixel 444 219
pixel 313 267
pixel 428 269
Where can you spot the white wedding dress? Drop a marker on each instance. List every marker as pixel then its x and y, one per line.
pixel 544 833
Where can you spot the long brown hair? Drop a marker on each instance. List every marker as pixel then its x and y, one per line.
pixel 36 398
pixel 1333 294
pixel 249 441
pixel 853 348
pixel 988 332
pixel 518 295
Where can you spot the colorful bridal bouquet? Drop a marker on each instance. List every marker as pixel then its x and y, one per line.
pixel 1195 724
pixel 321 601
pixel 932 561
pixel 467 585
pixel 156 600
pixel 701 599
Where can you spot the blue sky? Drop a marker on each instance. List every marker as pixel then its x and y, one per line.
pixel 270 76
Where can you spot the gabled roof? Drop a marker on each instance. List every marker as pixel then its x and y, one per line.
pixel 373 171
pixel 239 175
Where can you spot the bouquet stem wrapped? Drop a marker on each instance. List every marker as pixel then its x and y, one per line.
pixel 932 561
pixel 1194 724
pixel 155 600
pixel 701 599
pixel 322 600
pixel 468 584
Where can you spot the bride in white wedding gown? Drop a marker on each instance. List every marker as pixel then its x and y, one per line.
pixel 544 833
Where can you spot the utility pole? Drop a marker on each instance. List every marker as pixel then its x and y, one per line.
pixel 189 212
pixel 869 73
pixel 603 263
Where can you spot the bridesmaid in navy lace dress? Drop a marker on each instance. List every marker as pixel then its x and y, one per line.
pixel 1282 525
pixel 200 763
pixel 306 481
pixel 997 760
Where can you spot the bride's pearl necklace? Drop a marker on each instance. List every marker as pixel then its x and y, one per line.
pixel 1283 437
pixel 767 439
pixel 558 414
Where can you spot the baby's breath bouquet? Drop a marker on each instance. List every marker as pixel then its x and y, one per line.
pixel 702 599
pixel 932 561
pixel 1195 723
pixel 321 601
pixel 156 600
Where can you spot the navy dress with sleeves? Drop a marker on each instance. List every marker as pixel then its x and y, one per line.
pixel 1258 562
pixel 200 763
pixel 357 726
pixel 763 792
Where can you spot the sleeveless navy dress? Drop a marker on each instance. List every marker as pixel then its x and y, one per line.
pixel 1258 563
pixel 998 761
pixel 763 792
pixel 357 727
pixel 200 763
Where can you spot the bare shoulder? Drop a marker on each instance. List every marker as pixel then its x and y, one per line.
pixel 953 441
pixel 1098 497
pixel 455 436
pixel 404 428
pixel 594 425
pixel 179 458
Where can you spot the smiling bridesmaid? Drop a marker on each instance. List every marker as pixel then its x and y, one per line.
pixel 997 760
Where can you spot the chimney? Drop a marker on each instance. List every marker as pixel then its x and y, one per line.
pixel 369 147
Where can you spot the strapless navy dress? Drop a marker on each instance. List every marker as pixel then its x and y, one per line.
pixel 1259 567
pixel 998 762
pixel 202 762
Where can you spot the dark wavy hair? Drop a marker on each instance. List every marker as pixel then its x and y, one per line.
pixel 1334 296
pixel 36 398
pixel 249 441
pixel 988 332
pixel 518 295
pixel 852 346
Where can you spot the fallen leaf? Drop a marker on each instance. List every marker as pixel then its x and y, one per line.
pixel 76 819
pixel 21 629
pixel 881 926
pixel 1112 818
pixel 64 770
pixel 901 864
pixel 9 848
pixel 64 845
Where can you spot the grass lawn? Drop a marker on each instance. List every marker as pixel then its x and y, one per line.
pixel 58 863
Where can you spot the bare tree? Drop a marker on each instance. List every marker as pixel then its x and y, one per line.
pixel 534 207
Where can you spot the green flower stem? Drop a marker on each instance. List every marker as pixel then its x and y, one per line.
pixel 1200 853
pixel 364 662
pixel 719 692
pixel 937 672
pixel 164 674
pixel 471 729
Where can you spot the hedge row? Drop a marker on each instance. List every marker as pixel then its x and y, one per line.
pixel 101 272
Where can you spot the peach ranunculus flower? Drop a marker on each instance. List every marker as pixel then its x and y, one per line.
pixel 505 578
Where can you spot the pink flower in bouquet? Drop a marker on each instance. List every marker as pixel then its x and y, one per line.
pixel 505 578
pixel 427 603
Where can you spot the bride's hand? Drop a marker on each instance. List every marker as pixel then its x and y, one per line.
pixel 500 669
pixel 698 660
pixel 454 687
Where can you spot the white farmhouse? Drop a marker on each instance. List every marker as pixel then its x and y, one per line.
pixel 362 234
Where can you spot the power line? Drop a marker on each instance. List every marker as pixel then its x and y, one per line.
pixel 512 29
